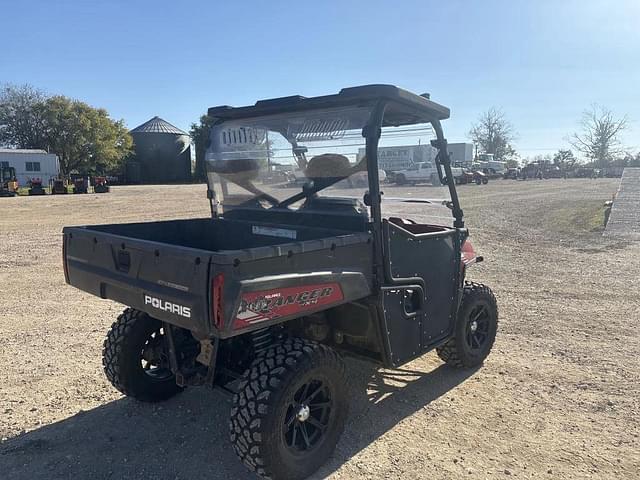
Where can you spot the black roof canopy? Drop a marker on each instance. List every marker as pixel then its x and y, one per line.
pixel 403 107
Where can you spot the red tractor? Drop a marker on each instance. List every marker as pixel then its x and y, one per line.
pixel 35 187
pixel 81 185
pixel 100 185
pixel 58 186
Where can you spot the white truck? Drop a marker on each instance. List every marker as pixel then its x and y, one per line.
pixel 422 172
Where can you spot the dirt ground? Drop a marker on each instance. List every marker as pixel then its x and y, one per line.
pixel 558 397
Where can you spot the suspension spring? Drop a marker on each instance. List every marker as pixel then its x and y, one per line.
pixel 261 339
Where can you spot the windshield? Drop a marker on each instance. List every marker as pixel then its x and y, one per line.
pixel 287 159
pixel 281 160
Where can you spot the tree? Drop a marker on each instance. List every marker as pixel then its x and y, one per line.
pixel 21 116
pixel 599 139
pixel 513 163
pixel 564 159
pixel 493 133
pixel 84 138
pixel 200 133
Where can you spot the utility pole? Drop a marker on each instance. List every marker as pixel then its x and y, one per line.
pixel 268 154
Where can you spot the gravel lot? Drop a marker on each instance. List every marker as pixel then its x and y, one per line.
pixel 558 398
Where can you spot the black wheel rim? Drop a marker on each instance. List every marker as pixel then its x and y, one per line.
pixel 153 358
pixel 477 331
pixel 307 417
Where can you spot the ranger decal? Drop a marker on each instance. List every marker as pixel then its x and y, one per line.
pixel 282 302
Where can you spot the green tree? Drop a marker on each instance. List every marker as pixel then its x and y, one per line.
pixel 599 138
pixel 21 123
pixel 493 133
pixel 84 138
pixel 200 136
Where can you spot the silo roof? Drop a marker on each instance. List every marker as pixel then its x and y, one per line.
pixel 158 125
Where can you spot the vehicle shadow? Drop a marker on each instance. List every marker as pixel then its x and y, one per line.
pixel 186 437
pixel 381 398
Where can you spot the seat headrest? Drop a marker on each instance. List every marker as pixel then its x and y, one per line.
pixel 328 165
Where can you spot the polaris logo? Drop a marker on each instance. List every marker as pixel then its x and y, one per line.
pixel 167 306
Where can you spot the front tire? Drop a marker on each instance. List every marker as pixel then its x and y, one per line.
pixel 290 410
pixel 134 358
pixel 475 329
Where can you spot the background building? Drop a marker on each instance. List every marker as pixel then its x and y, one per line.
pixel 162 154
pixel 30 164
pixel 393 159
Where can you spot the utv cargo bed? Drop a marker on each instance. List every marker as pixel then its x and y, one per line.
pixel 169 268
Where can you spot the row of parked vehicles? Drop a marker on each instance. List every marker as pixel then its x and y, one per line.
pixel 425 172
pixel 9 186
pixel 540 171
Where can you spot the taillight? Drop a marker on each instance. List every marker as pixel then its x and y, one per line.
pixel 65 268
pixel 217 310
pixel 468 254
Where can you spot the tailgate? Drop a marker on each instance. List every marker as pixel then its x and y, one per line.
pixel 167 281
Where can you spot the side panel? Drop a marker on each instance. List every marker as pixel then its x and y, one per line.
pixel 403 330
pixel 435 258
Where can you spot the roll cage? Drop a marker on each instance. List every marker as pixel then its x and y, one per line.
pixel 389 106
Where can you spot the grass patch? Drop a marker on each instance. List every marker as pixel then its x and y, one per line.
pixel 579 218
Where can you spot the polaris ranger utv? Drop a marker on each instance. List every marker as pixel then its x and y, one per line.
pixel 266 296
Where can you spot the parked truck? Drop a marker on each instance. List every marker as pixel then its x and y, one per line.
pixel 264 297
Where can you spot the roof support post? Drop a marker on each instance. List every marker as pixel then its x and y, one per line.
pixel 372 132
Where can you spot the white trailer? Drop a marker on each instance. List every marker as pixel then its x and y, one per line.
pixel 460 154
pixel 30 163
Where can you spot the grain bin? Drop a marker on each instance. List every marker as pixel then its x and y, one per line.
pixel 162 151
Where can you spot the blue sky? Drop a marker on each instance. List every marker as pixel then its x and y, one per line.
pixel 543 62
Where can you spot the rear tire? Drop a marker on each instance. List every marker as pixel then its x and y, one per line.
pixel 290 410
pixel 136 337
pixel 475 329
pixel 401 179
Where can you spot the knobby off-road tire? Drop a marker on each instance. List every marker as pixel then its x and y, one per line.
pixel 290 381
pixel 123 354
pixel 475 329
